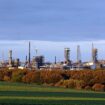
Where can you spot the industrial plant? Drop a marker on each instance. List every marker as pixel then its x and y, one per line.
pixel 37 62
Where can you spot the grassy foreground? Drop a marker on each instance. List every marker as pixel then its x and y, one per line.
pixel 25 94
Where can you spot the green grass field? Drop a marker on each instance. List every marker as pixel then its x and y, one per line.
pixel 25 94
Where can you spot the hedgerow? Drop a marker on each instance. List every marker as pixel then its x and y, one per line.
pixel 83 79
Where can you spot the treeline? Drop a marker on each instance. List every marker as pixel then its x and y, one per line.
pixel 84 79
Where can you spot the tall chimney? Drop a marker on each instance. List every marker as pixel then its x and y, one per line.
pixel 92 52
pixel 78 54
pixel 26 58
pixel 29 59
pixel 10 58
pixel 55 59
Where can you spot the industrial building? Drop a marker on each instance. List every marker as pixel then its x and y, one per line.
pixel 38 61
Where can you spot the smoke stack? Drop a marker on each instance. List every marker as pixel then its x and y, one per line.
pixel 29 59
pixel 94 54
pixel 55 60
pixel 10 57
pixel 26 58
pixel 78 54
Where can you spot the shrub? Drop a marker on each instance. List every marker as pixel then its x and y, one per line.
pixel 85 75
pixel 87 79
pixel 71 83
pixel 17 75
pixel 59 84
pixel 99 76
pixel 88 88
pixel 80 84
pixel 98 87
pixel 8 73
pixel 1 75
pixel 31 77
pixel 52 76
pixel 6 78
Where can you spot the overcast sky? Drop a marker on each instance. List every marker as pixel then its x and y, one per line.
pixel 52 25
pixel 52 20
